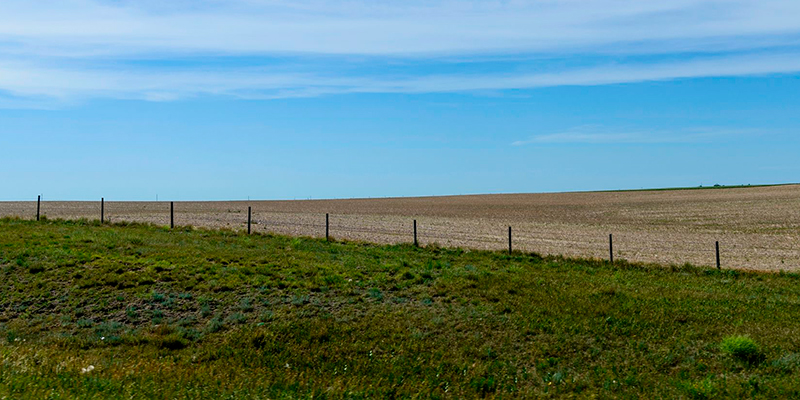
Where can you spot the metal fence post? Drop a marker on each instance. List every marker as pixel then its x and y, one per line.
pixel 718 264
pixel 249 218
pixel 509 240
pixel 171 214
pixel 327 227
pixel 102 210
pixel 38 206
pixel 611 248
pixel 416 243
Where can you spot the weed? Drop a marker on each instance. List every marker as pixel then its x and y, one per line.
pixel 741 347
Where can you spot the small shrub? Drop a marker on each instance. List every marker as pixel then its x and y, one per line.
pixel 741 347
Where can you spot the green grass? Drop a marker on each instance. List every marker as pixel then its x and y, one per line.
pixel 741 347
pixel 216 314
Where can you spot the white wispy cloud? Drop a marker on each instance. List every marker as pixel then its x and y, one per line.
pixel 74 49
pixel 31 80
pixel 598 134
pixel 367 27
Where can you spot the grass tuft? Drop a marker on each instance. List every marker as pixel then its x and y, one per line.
pixel 741 347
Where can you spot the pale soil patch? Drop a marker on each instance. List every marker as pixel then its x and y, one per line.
pixel 758 228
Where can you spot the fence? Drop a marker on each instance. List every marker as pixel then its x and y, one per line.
pixel 766 252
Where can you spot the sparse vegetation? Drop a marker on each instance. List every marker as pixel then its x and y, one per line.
pixel 129 310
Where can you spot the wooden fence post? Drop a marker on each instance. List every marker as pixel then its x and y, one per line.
pixel 610 248
pixel 509 240
pixel 171 214
pixel 718 264
pixel 249 218
pixel 416 243
pixel 102 210
pixel 38 206
pixel 327 227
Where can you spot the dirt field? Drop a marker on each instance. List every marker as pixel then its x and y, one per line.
pixel 758 227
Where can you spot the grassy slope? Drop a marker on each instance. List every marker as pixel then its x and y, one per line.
pixel 195 313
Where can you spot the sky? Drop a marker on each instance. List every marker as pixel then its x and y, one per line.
pixel 267 99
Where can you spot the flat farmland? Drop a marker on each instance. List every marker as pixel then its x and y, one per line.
pixel 758 227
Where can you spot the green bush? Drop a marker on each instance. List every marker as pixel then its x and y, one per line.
pixel 741 347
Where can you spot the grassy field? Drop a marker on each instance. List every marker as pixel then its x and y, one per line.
pixel 137 311
pixel 758 227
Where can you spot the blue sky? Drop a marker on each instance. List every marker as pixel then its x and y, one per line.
pixel 206 100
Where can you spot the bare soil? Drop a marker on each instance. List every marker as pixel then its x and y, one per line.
pixel 757 227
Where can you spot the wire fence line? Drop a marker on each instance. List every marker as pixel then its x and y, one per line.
pixel 765 252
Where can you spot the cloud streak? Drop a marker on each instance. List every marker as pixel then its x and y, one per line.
pixel 594 134
pixel 361 27
pixel 30 80
pixel 68 50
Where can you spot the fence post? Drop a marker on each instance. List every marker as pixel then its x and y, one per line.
pixel 509 240
pixel 38 206
pixel 718 265
pixel 611 248
pixel 249 218
pixel 171 214
pixel 416 243
pixel 327 227
pixel 102 210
